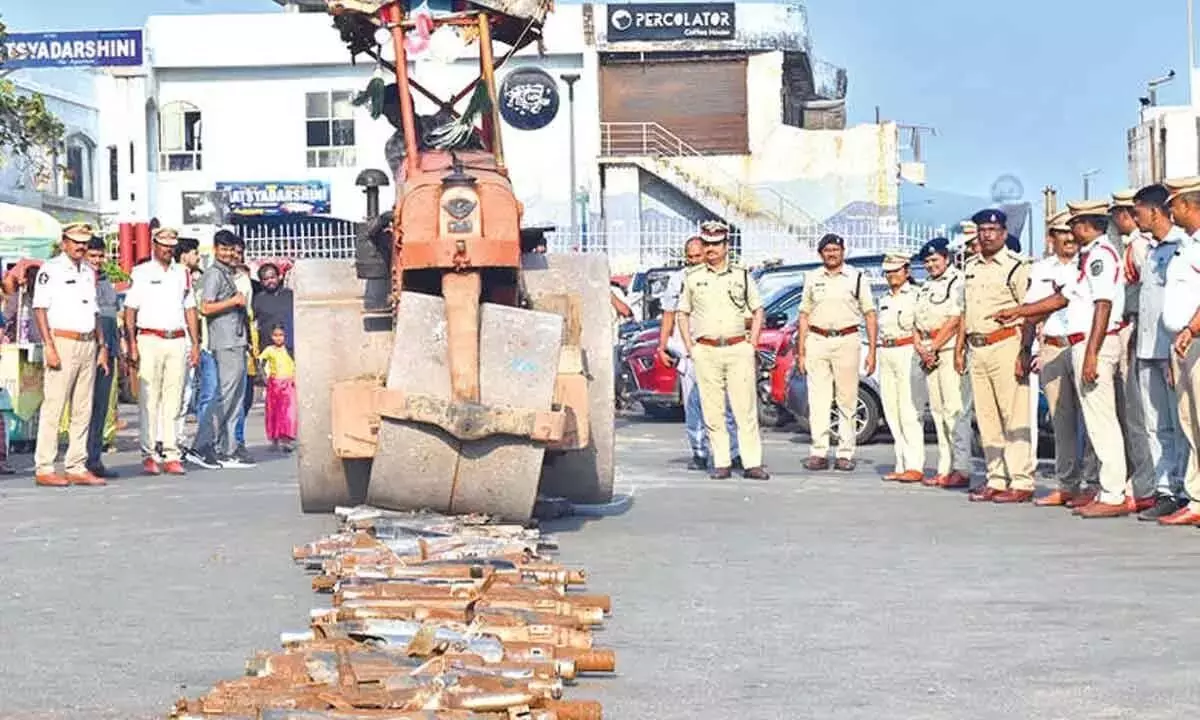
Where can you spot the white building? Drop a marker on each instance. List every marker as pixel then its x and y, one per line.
pixel 675 122
pixel 70 183
pixel 1166 141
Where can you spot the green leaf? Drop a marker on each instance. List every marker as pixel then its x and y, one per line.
pixel 28 130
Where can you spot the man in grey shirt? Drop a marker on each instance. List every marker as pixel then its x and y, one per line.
pixel 106 306
pixel 1152 350
pixel 224 308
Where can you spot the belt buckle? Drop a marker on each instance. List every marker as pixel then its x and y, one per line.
pixel 976 340
pixel 722 342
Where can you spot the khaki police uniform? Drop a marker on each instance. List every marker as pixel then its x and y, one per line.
pixel 67 292
pixel 163 298
pixel 836 303
pixel 1048 277
pixel 717 302
pixel 902 399
pixel 938 301
pixel 1001 401
pixel 1131 401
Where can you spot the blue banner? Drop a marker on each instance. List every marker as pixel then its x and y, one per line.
pixel 89 48
pixel 267 199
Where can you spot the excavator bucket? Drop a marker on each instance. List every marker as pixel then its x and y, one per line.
pixel 335 342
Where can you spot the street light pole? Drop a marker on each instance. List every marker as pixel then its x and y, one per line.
pixel 1087 177
pixel 570 79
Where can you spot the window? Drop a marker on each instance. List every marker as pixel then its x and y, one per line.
pixel 179 143
pixel 329 124
pixel 114 174
pixel 74 159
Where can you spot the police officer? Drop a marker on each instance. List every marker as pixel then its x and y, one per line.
pixel 671 352
pixel 160 317
pixel 995 279
pixel 1156 482
pixel 1095 302
pixel 1135 247
pixel 902 399
pixel 835 302
pixel 64 308
pixel 939 309
pixel 1181 318
pixel 711 314
pixel 1050 274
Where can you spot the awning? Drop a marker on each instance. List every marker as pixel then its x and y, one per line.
pixel 27 233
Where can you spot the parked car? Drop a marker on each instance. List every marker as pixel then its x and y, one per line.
pixel 868 414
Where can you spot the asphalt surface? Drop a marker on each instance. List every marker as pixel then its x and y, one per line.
pixel 809 596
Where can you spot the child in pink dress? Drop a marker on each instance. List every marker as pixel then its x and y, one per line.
pixel 280 371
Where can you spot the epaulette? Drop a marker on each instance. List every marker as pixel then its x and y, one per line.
pixel 692 269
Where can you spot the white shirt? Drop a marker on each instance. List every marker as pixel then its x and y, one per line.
pixel 160 295
pixel 1047 277
pixel 670 301
pixel 1099 276
pixel 1181 296
pixel 67 292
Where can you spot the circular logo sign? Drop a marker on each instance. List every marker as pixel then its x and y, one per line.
pixel 621 19
pixel 1007 189
pixel 528 98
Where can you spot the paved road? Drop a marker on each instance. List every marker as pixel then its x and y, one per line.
pixel 810 596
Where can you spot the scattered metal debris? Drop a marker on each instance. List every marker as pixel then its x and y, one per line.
pixel 430 618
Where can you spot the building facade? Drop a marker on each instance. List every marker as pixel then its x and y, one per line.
pixel 683 112
pixel 67 182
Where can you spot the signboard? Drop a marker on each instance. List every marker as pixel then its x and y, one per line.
pixel 671 21
pixel 528 98
pixel 88 48
pixel 270 199
pixel 205 208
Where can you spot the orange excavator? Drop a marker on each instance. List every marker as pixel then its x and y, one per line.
pixel 446 369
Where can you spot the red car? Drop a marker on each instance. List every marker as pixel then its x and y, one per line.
pixel 644 379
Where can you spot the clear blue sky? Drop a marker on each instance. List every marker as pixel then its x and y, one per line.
pixel 1040 89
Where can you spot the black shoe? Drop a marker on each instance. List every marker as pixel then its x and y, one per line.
pixel 204 458
pixel 699 462
pixel 100 471
pixel 239 459
pixel 1164 505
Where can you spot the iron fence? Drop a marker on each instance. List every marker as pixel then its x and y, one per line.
pixel 331 240
pixel 661 243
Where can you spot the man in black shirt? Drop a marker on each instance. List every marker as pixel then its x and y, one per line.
pixel 273 305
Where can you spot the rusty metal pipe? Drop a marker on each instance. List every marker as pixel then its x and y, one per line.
pixel 487 70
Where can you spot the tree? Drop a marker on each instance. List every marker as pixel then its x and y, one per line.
pixel 27 129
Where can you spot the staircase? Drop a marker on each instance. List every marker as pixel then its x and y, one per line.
pixel 657 150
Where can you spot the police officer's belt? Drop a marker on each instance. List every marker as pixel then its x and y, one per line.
pixel 842 332
pixel 72 335
pixel 985 339
pixel 895 342
pixel 1076 338
pixel 721 342
pixel 164 334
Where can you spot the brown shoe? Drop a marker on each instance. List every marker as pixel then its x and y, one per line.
pixel 933 480
pixel 1058 498
pixel 844 465
pixel 756 473
pixel 816 463
pixel 174 467
pixel 1184 516
pixel 85 478
pixel 956 480
pixel 50 480
pixel 912 476
pixel 721 474
pixel 1013 497
pixel 1104 510
pixel 987 493
pixel 893 477
pixel 1137 505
